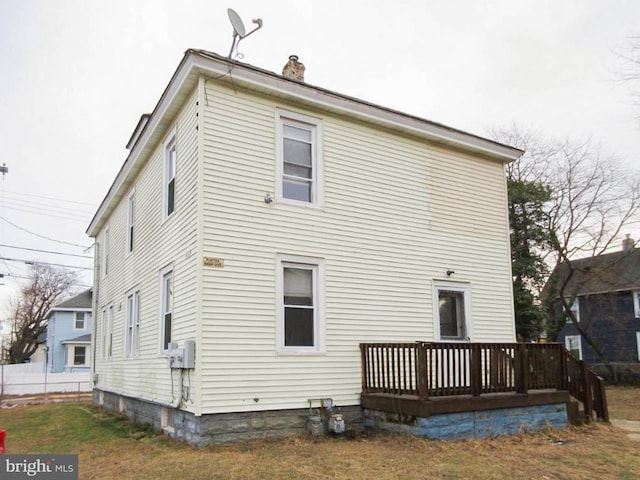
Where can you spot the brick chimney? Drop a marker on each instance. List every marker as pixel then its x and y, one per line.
pixel 294 69
pixel 628 243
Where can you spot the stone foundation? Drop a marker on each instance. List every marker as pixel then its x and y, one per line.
pixel 221 427
pixel 243 426
pixel 481 424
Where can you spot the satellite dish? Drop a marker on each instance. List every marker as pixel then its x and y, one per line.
pixel 239 31
pixel 236 21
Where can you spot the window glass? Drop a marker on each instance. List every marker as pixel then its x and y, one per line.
pixel 167 303
pixel 452 317
pixel 298 307
pixel 80 356
pixel 79 325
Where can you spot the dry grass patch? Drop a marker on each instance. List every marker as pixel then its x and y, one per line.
pixel 624 402
pixel 110 447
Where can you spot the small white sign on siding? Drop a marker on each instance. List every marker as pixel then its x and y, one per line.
pixel 213 262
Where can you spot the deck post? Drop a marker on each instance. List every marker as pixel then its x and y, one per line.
pixel 586 388
pixel 475 365
pixel 521 368
pixel 364 369
pixel 421 371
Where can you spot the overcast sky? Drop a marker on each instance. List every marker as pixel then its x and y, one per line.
pixel 77 74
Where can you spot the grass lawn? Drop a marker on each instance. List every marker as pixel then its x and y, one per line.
pixel 109 447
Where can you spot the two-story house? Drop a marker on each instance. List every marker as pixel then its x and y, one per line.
pixel 261 227
pixel 606 303
pixel 68 337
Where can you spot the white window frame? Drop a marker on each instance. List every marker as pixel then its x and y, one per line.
pixel 169 164
pixel 636 303
pixel 105 251
pixel 638 343
pixel 107 331
pixel 314 125
pixel 567 343
pixel 316 265
pixel 70 353
pixel 132 323
pixel 463 288
pixel 168 270
pixel 575 307
pixel 75 321
pixel 130 222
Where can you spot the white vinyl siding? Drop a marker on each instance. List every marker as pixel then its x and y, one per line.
pixel 392 223
pixel 157 244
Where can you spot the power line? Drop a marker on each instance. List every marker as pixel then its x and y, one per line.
pixel 42 236
pixel 9 200
pixel 35 262
pixel 46 251
pixel 50 198
pixel 48 214
pixel 29 278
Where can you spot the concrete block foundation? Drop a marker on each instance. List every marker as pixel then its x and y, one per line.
pixel 480 424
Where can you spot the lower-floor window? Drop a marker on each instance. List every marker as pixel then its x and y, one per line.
pixel 300 293
pixel 638 343
pixel 77 356
pixel 573 343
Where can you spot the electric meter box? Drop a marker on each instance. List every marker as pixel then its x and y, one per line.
pixel 189 360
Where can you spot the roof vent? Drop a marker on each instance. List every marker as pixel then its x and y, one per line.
pixel 294 69
pixel 628 243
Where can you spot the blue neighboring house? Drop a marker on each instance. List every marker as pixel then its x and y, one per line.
pixel 69 335
pixel 607 304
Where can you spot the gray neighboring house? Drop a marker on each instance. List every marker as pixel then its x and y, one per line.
pixel 69 334
pixel 607 304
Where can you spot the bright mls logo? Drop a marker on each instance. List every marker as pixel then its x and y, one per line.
pixel 53 467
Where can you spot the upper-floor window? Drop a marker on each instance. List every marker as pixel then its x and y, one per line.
pixel 575 309
pixel 130 222
pixel 636 304
pixel 300 322
pixel 133 324
pixel 169 185
pixel 167 306
pixel 452 311
pixel 299 155
pixel 80 321
pixel 105 251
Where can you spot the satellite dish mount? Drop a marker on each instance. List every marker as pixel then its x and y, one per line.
pixel 239 31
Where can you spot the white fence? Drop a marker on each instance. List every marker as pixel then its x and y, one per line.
pixel 30 379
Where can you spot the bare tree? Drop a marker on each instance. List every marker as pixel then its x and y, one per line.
pixel 629 65
pixel 47 284
pixel 594 198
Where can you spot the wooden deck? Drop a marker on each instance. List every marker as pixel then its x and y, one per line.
pixel 426 378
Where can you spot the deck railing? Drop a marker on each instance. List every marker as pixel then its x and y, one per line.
pixel 429 369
